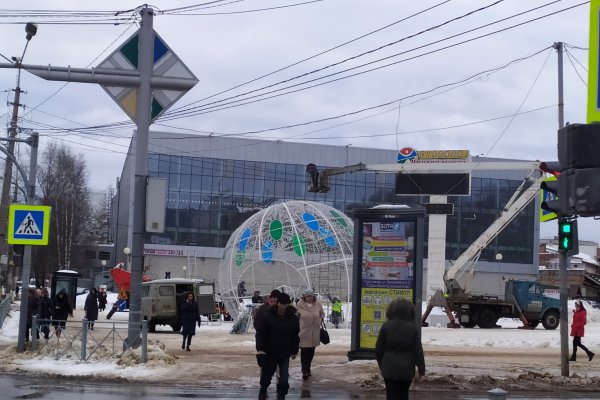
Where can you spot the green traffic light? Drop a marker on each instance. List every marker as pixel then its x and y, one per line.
pixel 566 228
pixel 565 243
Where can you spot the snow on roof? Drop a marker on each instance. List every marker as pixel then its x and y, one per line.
pixel 582 256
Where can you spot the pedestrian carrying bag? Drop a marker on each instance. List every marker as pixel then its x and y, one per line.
pixel 324 335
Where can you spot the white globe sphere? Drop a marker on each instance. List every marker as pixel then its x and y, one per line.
pixel 290 246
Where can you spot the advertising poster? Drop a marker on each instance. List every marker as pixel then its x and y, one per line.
pixel 388 250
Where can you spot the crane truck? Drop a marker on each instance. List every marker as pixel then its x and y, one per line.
pixel 523 299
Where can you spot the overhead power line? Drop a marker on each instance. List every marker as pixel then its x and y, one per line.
pixel 203 109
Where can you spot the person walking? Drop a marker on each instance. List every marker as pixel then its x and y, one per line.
pixel 310 314
pixel 336 311
pixel 91 307
pixel 102 299
pixel 189 318
pixel 263 309
pixel 61 310
pixel 45 313
pixel 276 341
pixel 399 349
pixel 578 330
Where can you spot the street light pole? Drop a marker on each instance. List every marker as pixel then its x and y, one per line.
pixel 31 30
pixel 27 251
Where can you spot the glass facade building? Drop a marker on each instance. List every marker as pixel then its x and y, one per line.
pixel 209 198
pixel 216 183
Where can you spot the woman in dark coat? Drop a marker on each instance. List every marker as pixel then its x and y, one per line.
pixel 102 299
pixel 45 313
pixel 61 309
pixel 399 349
pixel 578 330
pixel 91 307
pixel 189 319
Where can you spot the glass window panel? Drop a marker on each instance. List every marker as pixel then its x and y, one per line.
pixel 238 185
pixel 174 164
pixel 163 165
pixel 238 169
pixel 153 163
pixel 185 182
pixel 227 185
pixel 173 182
pixel 186 165
pixel 184 200
pixel 196 183
pixel 228 168
pixel 289 190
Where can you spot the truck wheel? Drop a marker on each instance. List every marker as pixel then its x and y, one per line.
pixel 533 323
pixel 551 320
pixel 487 318
pixel 468 324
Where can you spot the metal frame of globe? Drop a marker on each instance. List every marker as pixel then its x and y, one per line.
pixel 292 246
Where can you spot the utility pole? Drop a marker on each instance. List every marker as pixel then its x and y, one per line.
pixel 563 263
pixel 30 183
pixel 31 30
pixel 145 80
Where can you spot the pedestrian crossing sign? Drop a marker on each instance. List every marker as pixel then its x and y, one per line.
pixel 28 224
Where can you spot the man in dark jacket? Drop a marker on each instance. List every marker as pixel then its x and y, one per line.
pixel 262 310
pixel 276 341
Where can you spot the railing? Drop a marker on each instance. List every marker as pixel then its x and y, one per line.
pixel 88 341
pixel 4 310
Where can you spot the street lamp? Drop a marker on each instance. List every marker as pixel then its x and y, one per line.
pixel 499 259
pixel 127 252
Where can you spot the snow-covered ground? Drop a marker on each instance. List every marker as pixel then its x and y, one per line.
pixel 215 336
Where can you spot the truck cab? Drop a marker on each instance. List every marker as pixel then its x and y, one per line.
pixel 536 307
pixel 162 298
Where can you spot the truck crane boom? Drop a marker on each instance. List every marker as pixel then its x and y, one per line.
pixel 456 278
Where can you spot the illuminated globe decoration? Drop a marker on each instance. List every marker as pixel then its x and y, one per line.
pixel 290 246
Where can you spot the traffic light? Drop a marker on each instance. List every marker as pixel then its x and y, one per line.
pixel 579 183
pixel 567 236
pixel 557 188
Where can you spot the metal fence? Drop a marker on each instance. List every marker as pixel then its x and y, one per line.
pixel 4 310
pixel 88 341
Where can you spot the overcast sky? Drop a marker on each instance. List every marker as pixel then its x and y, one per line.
pixel 452 95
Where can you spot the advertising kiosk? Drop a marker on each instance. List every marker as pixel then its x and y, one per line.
pixel 388 263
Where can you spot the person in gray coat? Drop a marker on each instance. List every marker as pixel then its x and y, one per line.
pixel 399 349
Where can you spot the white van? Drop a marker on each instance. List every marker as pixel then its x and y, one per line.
pixel 161 300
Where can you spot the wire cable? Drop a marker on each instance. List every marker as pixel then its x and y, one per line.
pixel 314 56
pixel 173 115
pixel 520 105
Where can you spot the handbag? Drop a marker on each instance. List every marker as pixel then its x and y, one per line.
pixel 323 334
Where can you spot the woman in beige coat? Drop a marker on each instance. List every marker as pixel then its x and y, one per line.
pixel 310 313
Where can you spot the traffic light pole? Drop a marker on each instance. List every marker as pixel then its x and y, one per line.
pixel 564 258
pixel 563 264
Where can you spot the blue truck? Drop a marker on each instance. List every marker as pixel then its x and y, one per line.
pixel 523 299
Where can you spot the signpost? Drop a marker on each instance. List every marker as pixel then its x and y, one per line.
pixel 28 224
pixel 144 78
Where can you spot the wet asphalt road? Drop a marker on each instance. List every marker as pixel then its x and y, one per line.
pixel 20 387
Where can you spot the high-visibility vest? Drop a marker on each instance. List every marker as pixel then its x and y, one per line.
pixel 336 307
